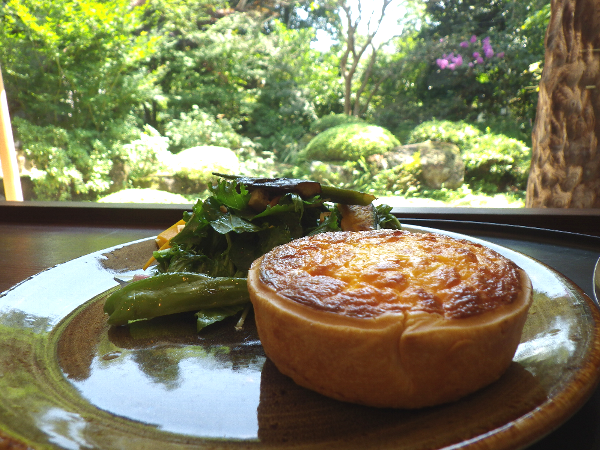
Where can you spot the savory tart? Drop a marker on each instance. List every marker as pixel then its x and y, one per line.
pixel 389 318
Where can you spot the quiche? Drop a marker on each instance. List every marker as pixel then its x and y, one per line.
pixel 389 318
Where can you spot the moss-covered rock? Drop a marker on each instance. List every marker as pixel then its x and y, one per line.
pixel 441 165
pixel 350 142
pixel 493 162
pixel 332 120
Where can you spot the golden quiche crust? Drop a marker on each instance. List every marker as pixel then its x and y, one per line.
pixel 389 318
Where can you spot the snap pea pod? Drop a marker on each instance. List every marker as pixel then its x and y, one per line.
pixel 171 293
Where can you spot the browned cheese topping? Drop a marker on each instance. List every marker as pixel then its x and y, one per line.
pixel 366 274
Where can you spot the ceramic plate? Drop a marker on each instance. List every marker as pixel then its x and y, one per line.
pixel 69 381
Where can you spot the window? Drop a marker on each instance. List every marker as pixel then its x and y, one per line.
pixel 432 103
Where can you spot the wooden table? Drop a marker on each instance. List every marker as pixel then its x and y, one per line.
pixel 36 235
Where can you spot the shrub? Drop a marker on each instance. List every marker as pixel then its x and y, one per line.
pixel 71 164
pixel 496 163
pixel 332 120
pixel 404 179
pixel 350 142
pixel 143 156
pixel 459 133
pixel 205 158
pixel 82 164
pixel 345 175
pixel 281 116
pixel 197 127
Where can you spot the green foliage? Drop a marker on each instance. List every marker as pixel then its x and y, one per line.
pixel 80 164
pixel 281 117
pixel 211 66
pixel 403 180
pixel 401 100
pixel 263 78
pixel 495 163
pixel 332 120
pixel 74 64
pixel 191 171
pixel 345 175
pixel 143 155
pixel 68 164
pixel 459 133
pixel 74 79
pixel 298 85
pixel 84 78
pixel 197 127
pixel 502 92
pixel 450 15
pixel 350 142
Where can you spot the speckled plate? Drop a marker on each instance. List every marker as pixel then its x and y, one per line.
pixel 69 381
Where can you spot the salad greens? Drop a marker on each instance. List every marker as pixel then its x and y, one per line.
pixel 241 220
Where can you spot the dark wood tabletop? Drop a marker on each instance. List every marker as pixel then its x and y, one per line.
pixel 37 235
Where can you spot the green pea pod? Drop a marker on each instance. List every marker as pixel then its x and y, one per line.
pixel 171 293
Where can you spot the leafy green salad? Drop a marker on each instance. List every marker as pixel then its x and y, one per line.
pixel 203 267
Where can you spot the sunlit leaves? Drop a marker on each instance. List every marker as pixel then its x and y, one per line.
pixel 74 63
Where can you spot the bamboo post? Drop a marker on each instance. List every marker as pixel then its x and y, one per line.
pixel 8 155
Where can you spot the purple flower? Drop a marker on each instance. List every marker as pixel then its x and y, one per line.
pixel 487 48
pixel 452 61
pixel 442 63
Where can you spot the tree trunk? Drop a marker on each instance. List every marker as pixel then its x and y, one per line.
pixel 565 166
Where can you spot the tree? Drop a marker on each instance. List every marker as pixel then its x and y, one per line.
pixel 248 68
pixel 355 47
pixel 299 84
pixel 447 17
pixel 75 81
pixel 74 64
pixel 488 88
pixel 565 168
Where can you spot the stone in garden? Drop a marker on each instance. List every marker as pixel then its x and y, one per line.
pixel 404 154
pixel 441 163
